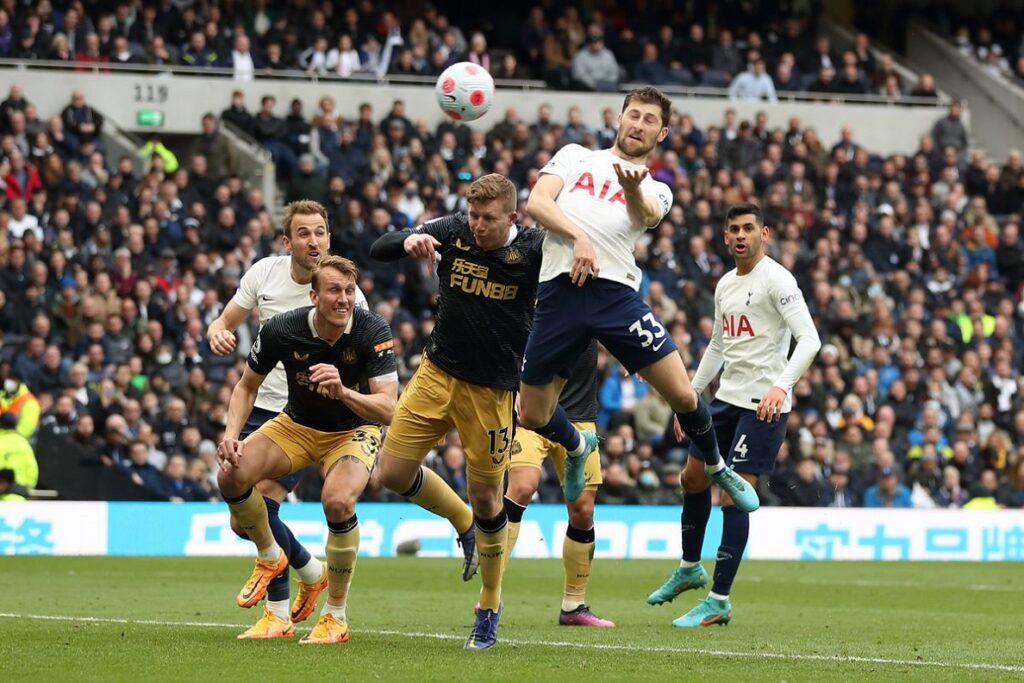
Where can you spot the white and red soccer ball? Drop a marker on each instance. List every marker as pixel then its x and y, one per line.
pixel 465 91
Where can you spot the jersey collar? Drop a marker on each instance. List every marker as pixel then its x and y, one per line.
pixel 312 327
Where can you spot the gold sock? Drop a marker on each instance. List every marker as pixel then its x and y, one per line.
pixel 510 544
pixel 576 558
pixel 342 549
pixel 251 514
pixel 437 497
pixel 491 549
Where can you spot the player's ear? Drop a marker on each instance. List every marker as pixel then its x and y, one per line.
pixel 512 217
pixel 663 134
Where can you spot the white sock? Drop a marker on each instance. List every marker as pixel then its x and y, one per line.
pixel 686 564
pixel 712 469
pixel 570 605
pixel 578 451
pixel 312 572
pixel 271 553
pixel 280 609
pixel 716 596
pixel 337 612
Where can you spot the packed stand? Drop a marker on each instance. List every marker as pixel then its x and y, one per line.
pixel 912 266
pixel 754 51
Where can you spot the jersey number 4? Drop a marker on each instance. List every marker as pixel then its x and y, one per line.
pixel 647 337
pixel 741 449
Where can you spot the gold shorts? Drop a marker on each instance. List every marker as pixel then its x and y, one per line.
pixel 530 449
pixel 434 402
pixel 305 446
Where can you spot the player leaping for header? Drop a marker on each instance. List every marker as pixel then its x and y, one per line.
pixel 595 205
pixel 758 309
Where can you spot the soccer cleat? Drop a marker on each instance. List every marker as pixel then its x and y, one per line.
pixel 576 467
pixel 305 601
pixel 485 631
pixel 262 574
pixel 269 626
pixel 326 631
pixel 470 562
pixel 707 613
pixel 739 489
pixel 682 579
pixel 582 616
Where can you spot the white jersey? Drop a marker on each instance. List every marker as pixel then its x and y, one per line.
pixel 592 199
pixel 268 285
pixel 756 316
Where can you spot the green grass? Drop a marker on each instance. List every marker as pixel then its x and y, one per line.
pixel 791 621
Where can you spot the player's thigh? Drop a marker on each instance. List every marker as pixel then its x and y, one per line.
pixel 628 328
pixel 756 444
pixel 300 444
pixel 668 377
pixel 527 457
pixel 592 469
pixel 485 421
pixel 725 417
pixel 275 489
pixel 361 445
pixel 262 458
pixel 559 333
pixel 347 469
pixel 538 402
pixel 422 416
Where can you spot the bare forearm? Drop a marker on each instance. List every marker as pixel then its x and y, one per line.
pixel 551 217
pixel 243 398
pixel 637 208
pixel 375 407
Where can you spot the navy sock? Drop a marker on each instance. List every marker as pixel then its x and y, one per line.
pixel 694 522
pixel 560 430
pixel 735 530
pixel 278 587
pixel 701 430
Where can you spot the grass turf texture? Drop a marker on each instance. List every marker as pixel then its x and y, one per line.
pixel 791 621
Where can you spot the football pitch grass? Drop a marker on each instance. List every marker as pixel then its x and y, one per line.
pixel 111 619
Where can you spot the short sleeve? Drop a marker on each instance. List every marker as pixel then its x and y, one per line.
pixel 265 352
pixel 379 350
pixel 248 287
pixel 564 161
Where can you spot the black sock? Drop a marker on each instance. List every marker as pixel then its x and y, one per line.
pixel 694 522
pixel 514 511
pixel 701 432
pixel 580 535
pixel 492 525
pixel 735 531
pixel 417 484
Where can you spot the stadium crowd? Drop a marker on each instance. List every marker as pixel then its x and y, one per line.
pixel 998 45
pixel 754 49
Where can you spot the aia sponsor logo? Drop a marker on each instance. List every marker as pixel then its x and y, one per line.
pixel 737 326
pixel 587 184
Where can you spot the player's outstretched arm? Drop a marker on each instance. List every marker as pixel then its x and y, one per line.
pixel 549 215
pixel 422 242
pixel 221 333
pixel 643 209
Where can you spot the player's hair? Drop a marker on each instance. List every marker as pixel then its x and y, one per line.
pixel 650 95
pixel 490 187
pixel 338 263
pixel 301 207
pixel 742 210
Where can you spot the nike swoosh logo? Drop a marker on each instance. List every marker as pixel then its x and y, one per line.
pixel 655 348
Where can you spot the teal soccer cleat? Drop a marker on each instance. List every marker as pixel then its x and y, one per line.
pixel 707 613
pixel 739 489
pixel 682 579
pixel 575 467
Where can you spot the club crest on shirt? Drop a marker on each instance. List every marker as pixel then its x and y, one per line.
pixel 513 255
pixel 348 356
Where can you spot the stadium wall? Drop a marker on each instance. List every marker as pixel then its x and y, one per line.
pixel 201 529
pixel 178 102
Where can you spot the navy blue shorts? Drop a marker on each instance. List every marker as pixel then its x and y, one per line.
pixel 257 418
pixel 746 443
pixel 568 317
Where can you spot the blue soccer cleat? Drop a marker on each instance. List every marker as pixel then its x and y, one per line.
pixel 739 489
pixel 682 579
pixel 485 631
pixel 470 562
pixel 707 613
pixel 576 467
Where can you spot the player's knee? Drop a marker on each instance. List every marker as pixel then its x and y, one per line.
pixel 520 493
pixel 581 513
pixel 231 482
pixel 534 417
pixel 339 506
pixel 686 401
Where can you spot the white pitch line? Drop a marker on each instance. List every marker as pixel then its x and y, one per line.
pixel 869 583
pixel 836 659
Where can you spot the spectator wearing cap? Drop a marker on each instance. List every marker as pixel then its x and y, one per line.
pixel 595 67
pixel 888 492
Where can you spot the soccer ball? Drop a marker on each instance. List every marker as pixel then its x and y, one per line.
pixel 465 91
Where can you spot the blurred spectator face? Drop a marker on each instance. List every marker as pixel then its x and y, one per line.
pixel 175 469
pixel 139 453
